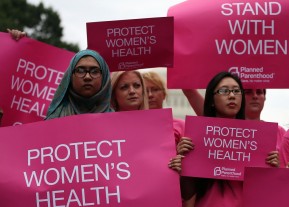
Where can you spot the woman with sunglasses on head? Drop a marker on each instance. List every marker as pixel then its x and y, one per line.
pixel 84 88
pixel 224 99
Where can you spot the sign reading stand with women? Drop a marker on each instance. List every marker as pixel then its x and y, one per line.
pixel 223 147
pixel 90 160
pixel 133 44
pixel 248 38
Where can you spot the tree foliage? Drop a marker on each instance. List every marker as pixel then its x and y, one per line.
pixel 39 22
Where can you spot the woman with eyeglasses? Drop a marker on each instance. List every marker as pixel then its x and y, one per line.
pixel 224 99
pixel 156 90
pixel 157 93
pixel 255 100
pixel 84 88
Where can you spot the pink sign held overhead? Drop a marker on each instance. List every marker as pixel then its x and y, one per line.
pixel 133 44
pixel 30 74
pixel 223 147
pixel 247 38
pixel 266 187
pixel 90 160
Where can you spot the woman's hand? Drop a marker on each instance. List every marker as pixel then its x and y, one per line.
pixel 185 145
pixel 273 159
pixel 176 163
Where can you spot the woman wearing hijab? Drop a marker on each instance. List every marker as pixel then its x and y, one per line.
pixel 85 87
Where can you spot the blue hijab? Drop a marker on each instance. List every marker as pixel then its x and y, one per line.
pixel 66 102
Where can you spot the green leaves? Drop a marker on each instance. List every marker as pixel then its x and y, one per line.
pixel 37 21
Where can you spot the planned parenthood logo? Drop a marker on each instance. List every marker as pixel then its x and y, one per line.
pixel 252 74
pixel 234 71
pixel 130 65
pixel 217 171
pixel 225 172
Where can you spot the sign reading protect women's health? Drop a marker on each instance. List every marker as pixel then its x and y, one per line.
pixel 30 74
pixel 223 147
pixel 108 159
pixel 248 38
pixel 133 44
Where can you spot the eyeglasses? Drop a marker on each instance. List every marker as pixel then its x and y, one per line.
pixel 226 91
pixel 81 72
pixel 153 90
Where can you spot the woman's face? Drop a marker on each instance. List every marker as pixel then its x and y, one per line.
pixel 227 106
pixel 155 94
pixel 129 92
pixel 86 86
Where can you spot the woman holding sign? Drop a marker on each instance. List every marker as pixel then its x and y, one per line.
pixel 84 88
pixel 129 93
pixel 255 100
pixel 224 99
pixel 157 93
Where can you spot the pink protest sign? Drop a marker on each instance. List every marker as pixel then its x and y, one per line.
pixel 111 159
pixel 266 187
pixel 133 44
pixel 223 147
pixel 30 73
pixel 247 38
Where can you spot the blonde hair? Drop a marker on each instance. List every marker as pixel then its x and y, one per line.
pixel 156 79
pixel 115 77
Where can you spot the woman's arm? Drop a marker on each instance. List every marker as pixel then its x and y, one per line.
pixel 195 99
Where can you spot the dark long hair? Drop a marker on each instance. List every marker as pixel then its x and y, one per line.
pixel 209 109
pixel 204 184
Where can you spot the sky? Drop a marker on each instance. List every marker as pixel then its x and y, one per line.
pixel 75 14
